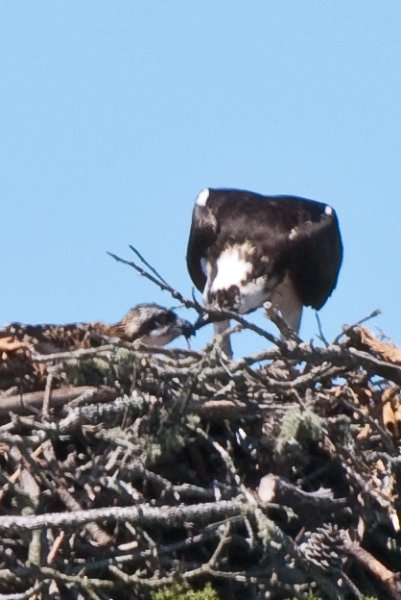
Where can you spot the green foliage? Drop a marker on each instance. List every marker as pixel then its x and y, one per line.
pixel 182 592
pixel 299 427
pixel 98 370
pixel 160 437
pixel 92 371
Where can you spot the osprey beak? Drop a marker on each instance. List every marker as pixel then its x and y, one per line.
pixel 186 328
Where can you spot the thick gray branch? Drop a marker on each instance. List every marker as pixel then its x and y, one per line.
pixel 163 516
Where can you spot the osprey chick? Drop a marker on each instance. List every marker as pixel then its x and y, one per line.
pixel 149 324
pixel 246 249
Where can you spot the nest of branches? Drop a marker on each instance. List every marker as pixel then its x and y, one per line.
pixel 273 476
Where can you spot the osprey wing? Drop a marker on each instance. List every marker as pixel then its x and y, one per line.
pixel 314 253
pixel 204 231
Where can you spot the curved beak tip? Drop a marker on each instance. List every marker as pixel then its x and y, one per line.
pixel 187 329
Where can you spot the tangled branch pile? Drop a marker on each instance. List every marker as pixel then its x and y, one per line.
pixel 272 476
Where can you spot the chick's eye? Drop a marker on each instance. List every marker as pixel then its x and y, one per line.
pixel 160 321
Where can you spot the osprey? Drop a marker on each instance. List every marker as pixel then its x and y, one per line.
pixel 246 249
pixel 149 324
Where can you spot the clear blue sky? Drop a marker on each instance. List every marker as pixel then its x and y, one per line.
pixel 114 115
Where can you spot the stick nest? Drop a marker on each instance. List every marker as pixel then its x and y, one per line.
pixel 124 470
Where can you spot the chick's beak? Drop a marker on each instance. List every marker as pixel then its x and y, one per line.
pixel 186 328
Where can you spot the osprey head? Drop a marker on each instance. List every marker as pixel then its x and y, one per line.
pixel 235 280
pixel 154 325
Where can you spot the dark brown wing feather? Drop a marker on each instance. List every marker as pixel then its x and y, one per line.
pixel 314 259
pixel 203 235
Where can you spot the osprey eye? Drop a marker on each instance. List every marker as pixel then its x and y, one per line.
pixel 160 321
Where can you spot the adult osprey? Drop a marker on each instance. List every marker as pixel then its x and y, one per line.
pixel 148 324
pixel 245 249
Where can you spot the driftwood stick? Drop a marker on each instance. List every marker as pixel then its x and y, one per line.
pixel 174 353
pixel 163 516
pixel 23 403
pixel 55 548
pixel 390 580
pixel 311 507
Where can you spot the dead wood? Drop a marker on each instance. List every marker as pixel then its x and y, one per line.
pixel 360 337
pixel 25 403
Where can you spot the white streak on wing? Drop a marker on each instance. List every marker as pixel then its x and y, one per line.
pixel 205 266
pixel 202 197
pixel 232 269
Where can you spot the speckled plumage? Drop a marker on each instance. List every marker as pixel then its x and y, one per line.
pixel 148 324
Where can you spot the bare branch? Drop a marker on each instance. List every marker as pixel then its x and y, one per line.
pixel 157 281
pixel 164 516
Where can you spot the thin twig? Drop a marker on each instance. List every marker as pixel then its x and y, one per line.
pixel 163 286
pixel 375 313
pixel 145 262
